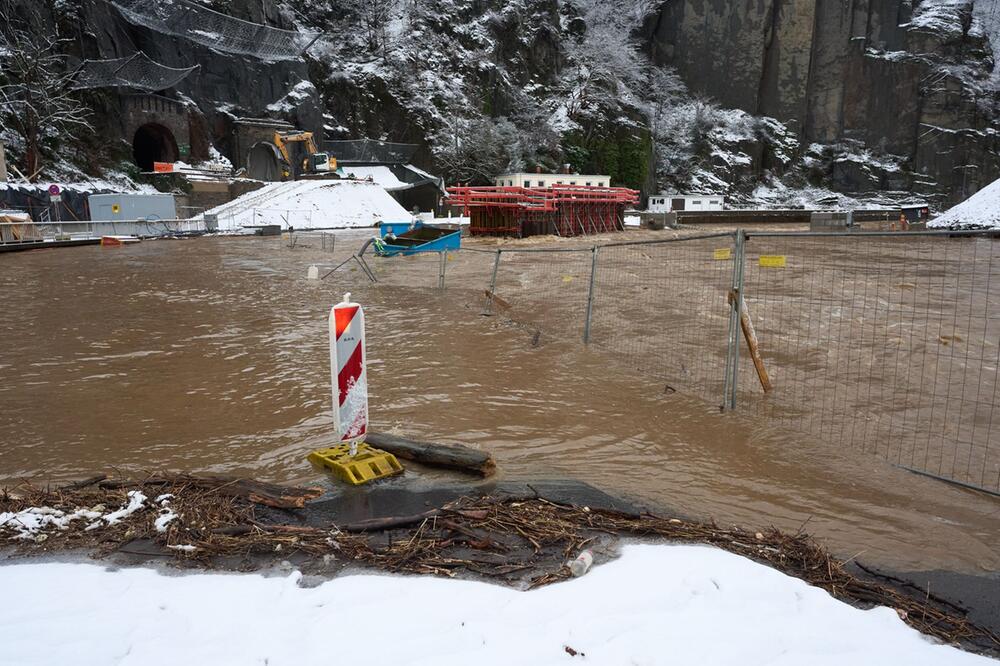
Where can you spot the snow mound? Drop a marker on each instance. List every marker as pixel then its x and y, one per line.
pixel 311 204
pixel 980 211
pixel 655 605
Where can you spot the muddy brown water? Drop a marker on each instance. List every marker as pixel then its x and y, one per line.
pixel 211 355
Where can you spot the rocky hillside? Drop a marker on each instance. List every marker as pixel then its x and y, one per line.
pixel 910 80
pixel 777 101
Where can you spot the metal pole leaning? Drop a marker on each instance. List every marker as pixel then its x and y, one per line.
pixel 442 261
pixel 493 283
pixel 733 354
pixel 590 295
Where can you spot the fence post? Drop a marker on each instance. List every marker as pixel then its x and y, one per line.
pixel 493 283
pixel 590 295
pixel 443 261
pixel 733 352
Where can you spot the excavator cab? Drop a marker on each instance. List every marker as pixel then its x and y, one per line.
pixel 320 162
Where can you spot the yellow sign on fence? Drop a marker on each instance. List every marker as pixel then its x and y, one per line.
pixel 722 254
pixel 772 261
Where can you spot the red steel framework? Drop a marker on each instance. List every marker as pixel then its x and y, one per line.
pixel 563 210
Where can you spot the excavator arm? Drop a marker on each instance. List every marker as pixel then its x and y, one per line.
pixel 314 161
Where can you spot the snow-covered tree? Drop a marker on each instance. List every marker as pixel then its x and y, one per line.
pixel 36 100
pixel 374 17
pixel 603 61
pixel 475 150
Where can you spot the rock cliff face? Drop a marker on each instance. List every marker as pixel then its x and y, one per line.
pixel 871 95
pixel 905 77
pixel 222 88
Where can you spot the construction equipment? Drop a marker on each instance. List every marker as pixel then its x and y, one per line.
pixel 312 162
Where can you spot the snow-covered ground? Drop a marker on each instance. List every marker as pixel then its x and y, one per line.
pixel 981 210
pixel 311 204
pixel 655 605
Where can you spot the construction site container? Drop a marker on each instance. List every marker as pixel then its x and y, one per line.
pixel 121 207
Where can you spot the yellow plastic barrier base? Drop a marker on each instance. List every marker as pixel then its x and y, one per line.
pixel 368 465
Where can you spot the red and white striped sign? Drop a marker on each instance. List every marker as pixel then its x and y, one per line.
pixel 347 368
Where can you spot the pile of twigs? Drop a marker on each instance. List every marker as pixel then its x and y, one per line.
pixel 524 541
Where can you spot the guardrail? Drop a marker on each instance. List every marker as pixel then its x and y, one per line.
pixel 34 232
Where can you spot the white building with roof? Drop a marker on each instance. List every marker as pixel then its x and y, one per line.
pixel 550 179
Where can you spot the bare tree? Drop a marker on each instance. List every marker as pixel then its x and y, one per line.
pixel 36 99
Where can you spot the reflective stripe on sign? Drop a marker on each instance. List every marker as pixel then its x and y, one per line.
pixel 347 369
pixel 343 316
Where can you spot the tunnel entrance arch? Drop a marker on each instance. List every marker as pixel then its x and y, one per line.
pixel 264 162
pixel 154 142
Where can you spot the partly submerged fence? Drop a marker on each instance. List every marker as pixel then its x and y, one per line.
pixel 885 342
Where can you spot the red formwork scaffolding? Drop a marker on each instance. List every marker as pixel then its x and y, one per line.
pixel 563 210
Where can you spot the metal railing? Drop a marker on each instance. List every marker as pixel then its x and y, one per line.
pixel 34 232
pixel 886 342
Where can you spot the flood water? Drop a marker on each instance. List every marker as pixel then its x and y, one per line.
pixel 211 355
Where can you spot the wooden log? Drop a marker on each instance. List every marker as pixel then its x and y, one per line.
pixel 462 458
pixel 498 301
pixel 83 483
pixel 388 523
pixel 751 337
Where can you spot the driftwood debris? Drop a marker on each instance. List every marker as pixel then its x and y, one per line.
pixel 462 458
pixel 258 492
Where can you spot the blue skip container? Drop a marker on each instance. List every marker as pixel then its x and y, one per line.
pixel 416 237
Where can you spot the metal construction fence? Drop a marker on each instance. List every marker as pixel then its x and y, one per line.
pixel 885 342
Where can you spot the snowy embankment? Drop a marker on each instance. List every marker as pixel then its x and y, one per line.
pixel 311 204
pixel 980 211
pixel 655 605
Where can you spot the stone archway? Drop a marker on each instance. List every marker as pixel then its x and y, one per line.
pixel 154 142
pixel 264 162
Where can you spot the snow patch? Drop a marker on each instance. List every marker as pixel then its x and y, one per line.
pixel 136 501
pixel 30 523
pixel 657 604
pixel 167 514
pixel 27 523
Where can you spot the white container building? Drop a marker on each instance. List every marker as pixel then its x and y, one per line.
pixel 666 203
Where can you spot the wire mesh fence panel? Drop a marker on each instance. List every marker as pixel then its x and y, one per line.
pixel 137 71
pixel 215 30
pixel 889 344
pixel 468 273
pixel 663 307
pixel 419 271
pixel 545 289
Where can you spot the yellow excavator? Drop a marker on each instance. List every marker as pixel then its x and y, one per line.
pixel 312 162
